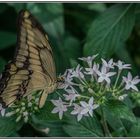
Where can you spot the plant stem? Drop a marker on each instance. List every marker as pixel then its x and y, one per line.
pixel 105 126
pixel 84 96
pixel 119 72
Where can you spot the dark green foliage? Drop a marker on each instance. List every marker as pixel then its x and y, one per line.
pixel 77 30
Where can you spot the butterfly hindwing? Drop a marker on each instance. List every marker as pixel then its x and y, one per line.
pixel 13 83
pixel 33 66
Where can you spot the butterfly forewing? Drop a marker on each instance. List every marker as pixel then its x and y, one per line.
pixel 33 66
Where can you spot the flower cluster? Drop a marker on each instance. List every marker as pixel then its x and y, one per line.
pixel 24 108
pixel 87 87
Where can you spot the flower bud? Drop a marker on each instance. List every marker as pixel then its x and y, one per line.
pixel 23 104
pixel 90 90
pixel 18 118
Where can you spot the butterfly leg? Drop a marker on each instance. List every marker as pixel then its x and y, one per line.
pixel 43 98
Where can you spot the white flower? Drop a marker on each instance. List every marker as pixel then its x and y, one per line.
pixel 25 113
pixel 29 104
pixel 2 110
pixel 89 59
pixel 131 82
pixel 26 119
pixel 8 114
pixel 108 64
pixel 104 75
pixel 77 73
pixel 18 118
pixel 72 95
pixel 122 97
pixel 60 107
pixel 88 107
pixel 67 80
pixel 92 70
pixel 121 65
pixel 77 111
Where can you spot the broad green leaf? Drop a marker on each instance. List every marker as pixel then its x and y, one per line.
pixel 123 54
pixel 135 130
pixel 14 135
pixel 8 126
pixel 45 113
pixel 48 123
pixel 87 127
pixel 113 122
pixel 72 47
pixel 99 7
pixel 75 16
pixel 73 63
pixel 109 30
pixel 48 127
pixel 115 112
pixel 119 110
pixel 7 40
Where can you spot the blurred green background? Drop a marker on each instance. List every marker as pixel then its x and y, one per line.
pixel 77 30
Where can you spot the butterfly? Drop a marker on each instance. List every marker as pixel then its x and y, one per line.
pixel 32 67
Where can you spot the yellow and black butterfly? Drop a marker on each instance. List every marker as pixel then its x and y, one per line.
pixel 33 66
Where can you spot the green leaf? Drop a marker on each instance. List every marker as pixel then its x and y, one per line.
pixel 48 123
pixel 87 127
pixel 72 47
pixel 119 110
pixel 123 54
pixel 109 30
pixel 73 63
pixel 14 135
pixel 99 7
pixel 45 114
pixel 8 126
pixel 7 40
pixel 48 127
pixel 115 112
pixel 135 130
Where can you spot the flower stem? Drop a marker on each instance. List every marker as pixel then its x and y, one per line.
pixel 105 126
pixel 84 96
pixel 59 94
pixel 118 75
pixel 121 90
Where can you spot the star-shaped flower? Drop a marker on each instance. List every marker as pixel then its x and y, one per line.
pixel 104 75
pixel 60 107
pixel 71 95
pixel 92 70
pixel 88 107
pixel 131 82
pixel 121 65
pixel 108 64
pixel 67 80
pixel 89 59
pixel 77 111
pixel 78 72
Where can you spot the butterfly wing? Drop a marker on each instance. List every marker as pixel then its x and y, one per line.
pixel 33 62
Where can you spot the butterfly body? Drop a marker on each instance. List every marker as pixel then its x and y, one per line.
pixel 32 68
